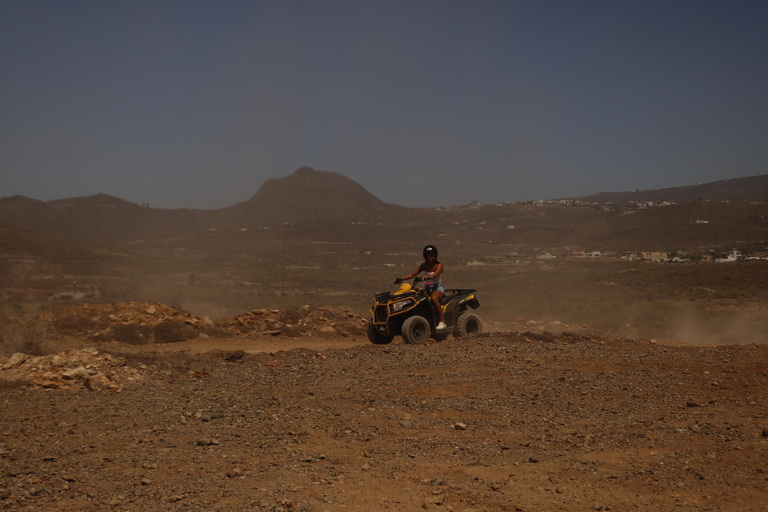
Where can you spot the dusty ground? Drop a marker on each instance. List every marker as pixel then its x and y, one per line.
pixel 503 422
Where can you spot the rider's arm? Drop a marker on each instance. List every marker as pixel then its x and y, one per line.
pixel 412 274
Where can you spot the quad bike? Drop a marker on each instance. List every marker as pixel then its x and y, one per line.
pixel 410 312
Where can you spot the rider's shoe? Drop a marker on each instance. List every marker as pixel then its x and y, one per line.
pixel 441 325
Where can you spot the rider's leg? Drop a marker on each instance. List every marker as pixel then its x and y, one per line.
pixel 437 296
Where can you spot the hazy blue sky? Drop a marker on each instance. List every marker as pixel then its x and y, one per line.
pixel 196 103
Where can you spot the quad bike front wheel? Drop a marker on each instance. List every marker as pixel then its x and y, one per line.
pixel 376 337
pixel 469 325
pixel 415 330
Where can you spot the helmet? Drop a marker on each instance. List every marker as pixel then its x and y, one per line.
pixel 429 249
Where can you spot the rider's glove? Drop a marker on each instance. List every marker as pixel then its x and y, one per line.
pixel 398 281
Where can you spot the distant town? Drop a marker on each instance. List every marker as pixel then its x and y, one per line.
pixel 652 256
pixel 756 253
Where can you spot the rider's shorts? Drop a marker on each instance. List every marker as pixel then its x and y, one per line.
pixel 431 287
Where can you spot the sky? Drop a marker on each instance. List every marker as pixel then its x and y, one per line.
pixel 194 104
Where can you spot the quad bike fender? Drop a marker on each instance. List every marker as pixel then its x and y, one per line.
pixel 470 301
pixel 462 304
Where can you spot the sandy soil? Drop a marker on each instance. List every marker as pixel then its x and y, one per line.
pixel 502 422
pixel 250 345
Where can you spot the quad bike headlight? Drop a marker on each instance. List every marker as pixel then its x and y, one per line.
pixel 396 307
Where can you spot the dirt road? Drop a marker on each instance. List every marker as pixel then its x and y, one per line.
pixel 503 422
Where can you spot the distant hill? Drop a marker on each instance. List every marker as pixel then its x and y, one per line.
pixel 308 195
pixel 314 205
pixel 753 188
pixel 98 218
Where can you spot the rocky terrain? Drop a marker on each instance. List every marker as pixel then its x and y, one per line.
pixel 516 421
pixel 190 360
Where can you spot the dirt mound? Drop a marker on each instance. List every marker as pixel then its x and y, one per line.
pixel 130 322
pixel 305 321
pixel 139 323
pixel 80 369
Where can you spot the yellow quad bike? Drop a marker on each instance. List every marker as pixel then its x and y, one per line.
pixel 410 313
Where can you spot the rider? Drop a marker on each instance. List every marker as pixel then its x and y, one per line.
pixel 432 281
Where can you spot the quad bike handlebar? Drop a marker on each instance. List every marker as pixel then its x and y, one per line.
pixel 400 280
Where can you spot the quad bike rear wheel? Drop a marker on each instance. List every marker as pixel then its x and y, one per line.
pixel 376 337
pixel 469 325
pixel 415 330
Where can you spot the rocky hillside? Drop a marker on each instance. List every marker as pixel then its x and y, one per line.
pixel 753 188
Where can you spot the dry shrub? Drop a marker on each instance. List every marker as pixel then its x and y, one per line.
pixel 12 384
pixel 133 334
pixel 78 324
pixel 164 332
pixel 23 332
pixel 172 332
pixel 175 362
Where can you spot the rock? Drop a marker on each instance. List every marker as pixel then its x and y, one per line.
pixel 76 373
pixel 237 355
pixel 435 500
pixel 460 426
pixel 15 360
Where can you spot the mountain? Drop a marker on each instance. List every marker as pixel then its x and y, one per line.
pixel 308 194
pixel 753 188
pixel 31 214
pixel 98 218
pixel 322 205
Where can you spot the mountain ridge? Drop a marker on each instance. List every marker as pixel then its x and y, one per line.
pixel 325 205
pixel 306 195
pixel 750 188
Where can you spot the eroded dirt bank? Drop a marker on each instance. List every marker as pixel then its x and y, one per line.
pixel 504 422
